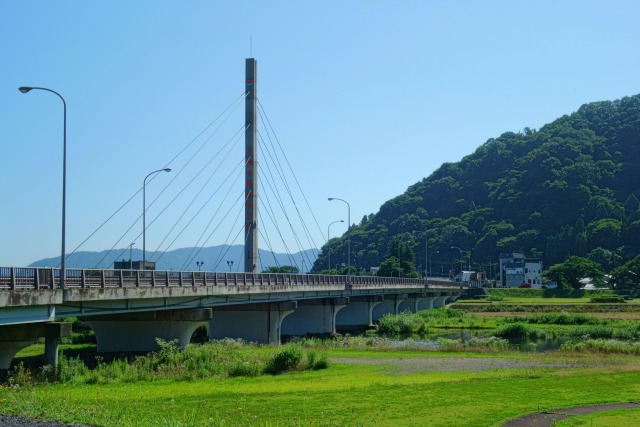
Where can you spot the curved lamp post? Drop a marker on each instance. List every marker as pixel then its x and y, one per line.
pixel 348 235
pixel 461 261
pixel 328 238
pixel 63 270
pixel 144 216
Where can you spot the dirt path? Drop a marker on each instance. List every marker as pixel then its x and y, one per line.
pixel 544 419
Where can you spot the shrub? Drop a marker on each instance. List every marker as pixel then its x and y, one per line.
pixel 285 359
pixel 518 331
pixel 607 299
pixel 397 324
pixel 316 362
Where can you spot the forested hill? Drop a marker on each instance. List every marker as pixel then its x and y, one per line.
pixel 570 188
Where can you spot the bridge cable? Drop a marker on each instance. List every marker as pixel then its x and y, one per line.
pixel 275 192
pixel 228 111
pixel 310 241
pixel 235 102
pixel 200 191
pixel 199 247
pixel 279 197
pixel 290 168
pixel 220 255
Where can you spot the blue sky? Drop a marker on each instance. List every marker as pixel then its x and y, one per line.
pixel 365 97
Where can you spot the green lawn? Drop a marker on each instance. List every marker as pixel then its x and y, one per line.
pixel 618 418
pixel 344 394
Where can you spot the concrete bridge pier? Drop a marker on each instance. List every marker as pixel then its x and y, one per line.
pixel 137 332
pixel 440 300
pixel 425 303
pixel 391 304
pixel 358 314
pixel 401 303
pixel 261 323
pixel 314 317
pixel 14 338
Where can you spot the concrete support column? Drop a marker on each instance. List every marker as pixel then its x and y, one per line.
pixel 314 317
pixel 261 323
pixel 425 303
pixel 14 338
pixel 398 300
pixel 439 301
pixel 9 349
pixel 385 307
pixel 138 332
pixel 51 345
pixel 358 314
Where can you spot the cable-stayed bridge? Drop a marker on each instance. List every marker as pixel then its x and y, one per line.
pixel 128 308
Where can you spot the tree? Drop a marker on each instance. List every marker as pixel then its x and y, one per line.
pixel 627 276
pixel 570 272
pixel 282 269
pixel 400 261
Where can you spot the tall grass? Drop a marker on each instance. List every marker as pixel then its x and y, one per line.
pixel 562 318
pixel 604 346
pixel 519 331
pixel 399 324
pixel 219 359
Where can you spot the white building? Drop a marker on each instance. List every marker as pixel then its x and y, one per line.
pixel 516 270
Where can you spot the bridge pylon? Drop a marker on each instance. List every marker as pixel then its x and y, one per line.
pixel 251 168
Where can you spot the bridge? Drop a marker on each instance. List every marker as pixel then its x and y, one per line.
pixel 129 309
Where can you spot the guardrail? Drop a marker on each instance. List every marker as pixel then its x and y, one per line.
pixel 15 278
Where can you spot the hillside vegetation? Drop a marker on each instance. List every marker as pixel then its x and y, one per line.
pixel 569 188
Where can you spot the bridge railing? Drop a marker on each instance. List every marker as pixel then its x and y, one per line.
pixel 15 278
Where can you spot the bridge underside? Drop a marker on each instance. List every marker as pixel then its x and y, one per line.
pixel 132 319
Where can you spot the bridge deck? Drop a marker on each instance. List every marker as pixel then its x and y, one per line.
pixel 26 278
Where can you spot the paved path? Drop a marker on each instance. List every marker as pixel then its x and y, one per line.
pixel 545 419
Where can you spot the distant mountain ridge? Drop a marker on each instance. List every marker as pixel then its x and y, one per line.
pixel 214 258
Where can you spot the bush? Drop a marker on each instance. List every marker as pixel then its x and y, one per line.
pixel 562 318
pixel 518 331
pixel 397 324
pixel 285 359
pixel 607 299
pixel 316 362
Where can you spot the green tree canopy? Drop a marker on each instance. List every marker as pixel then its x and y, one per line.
pixel 569 273
pixel 627 276
pixel 291 269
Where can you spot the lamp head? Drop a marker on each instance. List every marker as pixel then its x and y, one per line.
pixel 167 169
pixel 24 89
pixel 330 198
pixel 342 220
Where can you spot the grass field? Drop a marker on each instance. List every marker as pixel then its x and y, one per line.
pixel 364 385
pixel 352 391
pixel 619 418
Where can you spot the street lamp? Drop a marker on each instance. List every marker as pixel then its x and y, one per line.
pixel 399 263
pixel 461 267
pixel 348 235
pixel 63 270
pixel 429 261
pixel 328 238
pixel 230 263
pixel 130 255
pixel 199 264
pixel 144 216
